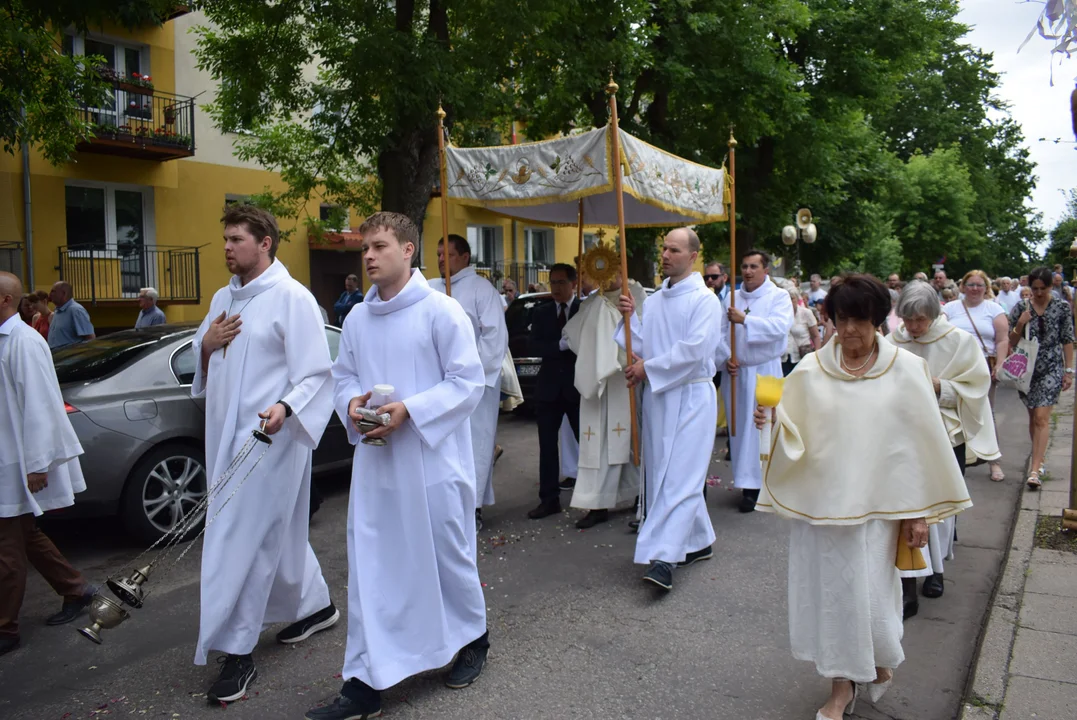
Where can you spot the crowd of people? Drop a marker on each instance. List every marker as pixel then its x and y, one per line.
pixel 642 382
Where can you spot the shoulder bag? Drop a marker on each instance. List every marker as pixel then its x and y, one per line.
pixel 1018 368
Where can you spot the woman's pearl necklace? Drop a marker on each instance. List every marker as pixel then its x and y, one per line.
pixel 861 367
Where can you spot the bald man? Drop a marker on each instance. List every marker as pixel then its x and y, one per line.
pixel 70 323
pixel 39 469
pixel 678 343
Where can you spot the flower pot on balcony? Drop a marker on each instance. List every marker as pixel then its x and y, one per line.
pixel 134 89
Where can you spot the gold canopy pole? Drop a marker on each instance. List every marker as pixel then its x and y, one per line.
pixel 443 162
pixel 733 265
pixel 615 165
pixel 579 255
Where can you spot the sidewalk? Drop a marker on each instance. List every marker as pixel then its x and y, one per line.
pixel 1026 664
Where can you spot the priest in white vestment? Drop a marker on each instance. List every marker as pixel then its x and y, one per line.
pixel 414 596
pixel 261 358
pixel 678 343
pixel 606 475
pixel 39 469
pixel 962 382
pixel 861 463
pixel 482 303
pixel 762 318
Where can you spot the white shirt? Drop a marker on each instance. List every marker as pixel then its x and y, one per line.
pixel 816 296
pixel 983 315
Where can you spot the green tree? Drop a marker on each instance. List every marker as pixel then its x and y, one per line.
pixel 41 89
pixel 1062 236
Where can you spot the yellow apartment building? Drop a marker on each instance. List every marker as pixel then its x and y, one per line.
pixel 140 204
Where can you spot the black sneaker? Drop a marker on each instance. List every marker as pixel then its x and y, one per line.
pixel 478 519
pixel 705 554
pixel 357 701
pixel 298 631
pixel 469 662
pixel 237 672
pixel 748 500
pixel 661 574
pixel 73 608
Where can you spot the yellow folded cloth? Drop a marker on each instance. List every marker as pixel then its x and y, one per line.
pixel 909 558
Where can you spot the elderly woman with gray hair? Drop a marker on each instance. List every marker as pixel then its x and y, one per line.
pixel 962 383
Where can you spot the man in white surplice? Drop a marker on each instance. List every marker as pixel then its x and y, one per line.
pixel 261 353
pixel 39 469
pixel 482 303
pixel 414 596
pixel 678 344
pixel 606 475
pixel 762 317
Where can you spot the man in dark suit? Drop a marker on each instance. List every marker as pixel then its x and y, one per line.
pixel 555 389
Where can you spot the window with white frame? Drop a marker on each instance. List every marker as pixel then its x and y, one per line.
pixel 487 244
pixel 129 63
pixel 589 241
pixel 108 218
pixel 538 246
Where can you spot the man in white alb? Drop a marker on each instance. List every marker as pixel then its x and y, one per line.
pixel 482 303
pixel 606 475
pixel 261 359
pixel 678 342
pixel 761 318
pixel 414 596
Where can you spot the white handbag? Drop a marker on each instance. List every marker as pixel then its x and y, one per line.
pixel 1018 368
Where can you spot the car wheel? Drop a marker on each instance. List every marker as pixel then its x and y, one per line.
pixel 163 490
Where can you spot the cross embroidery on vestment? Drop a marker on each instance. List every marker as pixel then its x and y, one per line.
pixel 619 429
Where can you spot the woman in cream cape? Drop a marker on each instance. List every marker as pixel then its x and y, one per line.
pixel 860 462
pixel 962 383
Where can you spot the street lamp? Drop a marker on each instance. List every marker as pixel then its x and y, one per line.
pixel 805 231
pixel 1069 516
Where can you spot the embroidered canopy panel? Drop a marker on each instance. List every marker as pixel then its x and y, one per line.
pixel 543 182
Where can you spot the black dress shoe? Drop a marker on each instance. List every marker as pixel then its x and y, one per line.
pixel 592 518
pixel 910 604
pixel 933 587
pixel 544 510
pixel 8 643
pixel 567 484
pixel 748 500
pixel 72 608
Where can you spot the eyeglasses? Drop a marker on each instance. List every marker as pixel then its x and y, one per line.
pixel 712 277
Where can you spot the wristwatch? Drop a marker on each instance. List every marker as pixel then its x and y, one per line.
pixel 1070 371
pixel 287 408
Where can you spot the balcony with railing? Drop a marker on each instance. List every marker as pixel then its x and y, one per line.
pixel 523 274
pixel 11 258
pixel 135 120
pixel 103 274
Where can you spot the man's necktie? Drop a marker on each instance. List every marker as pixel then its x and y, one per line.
pixel 561 319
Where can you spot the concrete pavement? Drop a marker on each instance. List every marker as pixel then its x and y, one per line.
pixel 575 632
pixel 1025 665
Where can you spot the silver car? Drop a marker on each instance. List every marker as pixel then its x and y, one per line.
pixel 128 396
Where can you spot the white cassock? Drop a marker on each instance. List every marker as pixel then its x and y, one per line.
pixel 35 432
pixel 485 308
pixel 414 596
pixel 257 564
pixel 956 359
pixel 680 340
pixel 852 457
pixel 761 341
pixel 607 476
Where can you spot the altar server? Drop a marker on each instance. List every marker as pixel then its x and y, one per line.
pixel 482 303
pixel 39 469
pixel 414 596
pixel 762 318
pixel 678 342
pixel 606 476
pixel 261 357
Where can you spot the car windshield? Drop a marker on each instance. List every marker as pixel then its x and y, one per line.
pixel 103 356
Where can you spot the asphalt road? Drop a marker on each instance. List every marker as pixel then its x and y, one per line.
pixel 575 632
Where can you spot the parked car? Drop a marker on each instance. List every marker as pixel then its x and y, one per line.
pixel 518 320
pixel 128 396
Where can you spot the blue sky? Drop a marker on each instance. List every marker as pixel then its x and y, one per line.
pixel 999 26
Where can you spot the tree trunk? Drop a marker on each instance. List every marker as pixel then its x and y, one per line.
pixel 408 173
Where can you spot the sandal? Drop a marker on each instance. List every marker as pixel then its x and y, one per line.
pixel 1034 480
pixel 996 473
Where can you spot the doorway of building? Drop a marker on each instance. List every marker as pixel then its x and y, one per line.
pixel 328 269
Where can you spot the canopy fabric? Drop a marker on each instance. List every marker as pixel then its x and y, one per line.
pixel 543 182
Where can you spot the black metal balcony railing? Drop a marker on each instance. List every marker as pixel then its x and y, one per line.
pixel 138 121
pixel 524 274
pixel 11 258
pixel 116 273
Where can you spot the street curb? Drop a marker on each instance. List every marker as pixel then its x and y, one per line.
pixel 986 691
